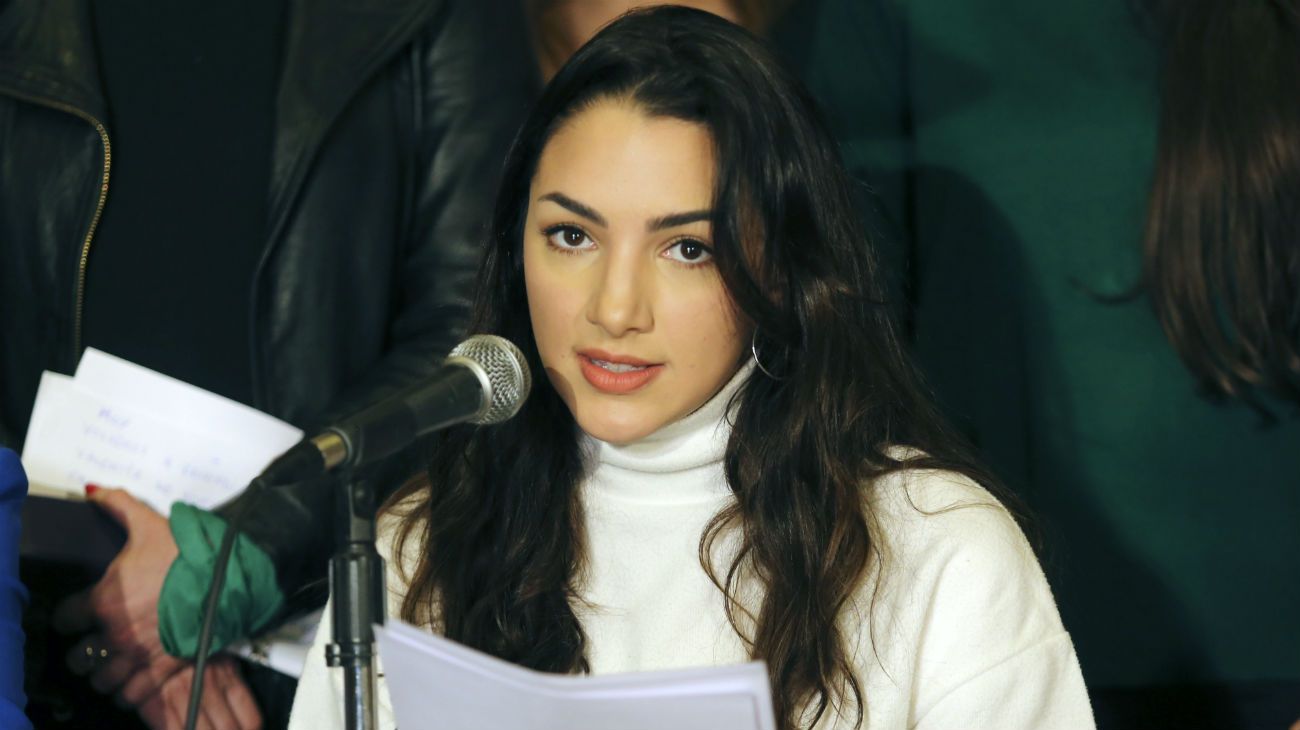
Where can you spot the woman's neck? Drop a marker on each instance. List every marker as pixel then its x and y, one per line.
pixel 681 461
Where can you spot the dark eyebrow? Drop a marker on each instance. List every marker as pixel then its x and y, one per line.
pixel 678 219
pixel 576 207
pixel 657 224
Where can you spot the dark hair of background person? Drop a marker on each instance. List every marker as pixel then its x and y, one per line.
pixel 1222 240
pixel 501 529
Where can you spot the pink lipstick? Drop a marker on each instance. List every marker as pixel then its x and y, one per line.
pixel 616 374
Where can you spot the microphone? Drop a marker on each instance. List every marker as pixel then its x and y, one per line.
pixel 484 380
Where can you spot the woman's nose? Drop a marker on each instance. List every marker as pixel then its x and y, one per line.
pixel 620 302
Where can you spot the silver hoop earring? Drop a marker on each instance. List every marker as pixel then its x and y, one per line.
pixel 753 348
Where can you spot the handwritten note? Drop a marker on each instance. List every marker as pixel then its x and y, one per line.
pixel 118 424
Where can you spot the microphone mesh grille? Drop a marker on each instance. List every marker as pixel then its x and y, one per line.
pixel 507 372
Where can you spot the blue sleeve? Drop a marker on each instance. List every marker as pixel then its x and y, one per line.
pixel 13 596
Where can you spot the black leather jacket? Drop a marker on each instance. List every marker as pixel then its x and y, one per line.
pixel 392 117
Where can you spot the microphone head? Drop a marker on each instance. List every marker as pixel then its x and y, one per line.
pixel 502 369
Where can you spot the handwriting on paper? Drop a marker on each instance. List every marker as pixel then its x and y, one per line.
pixel 126 426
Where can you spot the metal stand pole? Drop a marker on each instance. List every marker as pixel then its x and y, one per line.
pixel 357 585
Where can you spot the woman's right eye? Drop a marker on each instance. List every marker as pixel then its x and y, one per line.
pixel 569 238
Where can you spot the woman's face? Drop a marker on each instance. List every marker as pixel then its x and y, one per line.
pixel 630 317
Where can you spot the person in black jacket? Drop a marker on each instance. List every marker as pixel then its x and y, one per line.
pixel 278 203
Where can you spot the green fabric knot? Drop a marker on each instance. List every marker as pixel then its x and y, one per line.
pixel 249 598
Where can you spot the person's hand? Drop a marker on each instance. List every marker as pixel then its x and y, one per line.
pixel 124 603
pixel 227 703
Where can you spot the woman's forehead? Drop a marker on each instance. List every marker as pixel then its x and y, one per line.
pixel 614 157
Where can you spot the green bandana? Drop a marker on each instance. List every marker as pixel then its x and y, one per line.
pixel 249 598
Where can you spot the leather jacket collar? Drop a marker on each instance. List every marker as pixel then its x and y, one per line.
pixel 47 55
pixel 331 48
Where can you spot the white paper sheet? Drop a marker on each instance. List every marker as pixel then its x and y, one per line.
pixel 435 683
pixel 177 402
pixel 120 425
pixel 285 649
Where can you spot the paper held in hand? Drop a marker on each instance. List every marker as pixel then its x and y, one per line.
pixel 436 683
pixel 117 424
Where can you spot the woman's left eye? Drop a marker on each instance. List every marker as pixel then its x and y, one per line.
pixel 689 251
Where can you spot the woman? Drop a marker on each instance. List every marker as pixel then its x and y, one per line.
pixel 729 456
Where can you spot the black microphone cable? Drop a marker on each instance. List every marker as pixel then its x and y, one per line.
pixel 255 490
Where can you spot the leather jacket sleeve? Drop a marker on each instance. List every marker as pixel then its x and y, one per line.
pixel 472 77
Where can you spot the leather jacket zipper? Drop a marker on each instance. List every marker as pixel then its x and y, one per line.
pixel 84 258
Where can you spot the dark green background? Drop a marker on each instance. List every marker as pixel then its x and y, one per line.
pixel 1009 146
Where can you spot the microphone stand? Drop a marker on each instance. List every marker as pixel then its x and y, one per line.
pixel 357 584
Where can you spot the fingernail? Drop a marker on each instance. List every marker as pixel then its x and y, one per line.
pixel 91 489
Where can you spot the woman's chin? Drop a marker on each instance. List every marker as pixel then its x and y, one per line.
pixel 618 429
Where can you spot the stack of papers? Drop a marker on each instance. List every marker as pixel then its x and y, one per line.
pixel 117 424
pixel 437 683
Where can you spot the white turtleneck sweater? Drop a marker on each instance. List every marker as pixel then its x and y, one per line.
pixel 963 633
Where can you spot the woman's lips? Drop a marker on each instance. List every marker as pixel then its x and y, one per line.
pixel 616 375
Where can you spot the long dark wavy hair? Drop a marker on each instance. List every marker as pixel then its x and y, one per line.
pixel 1222 241
pixel 500 531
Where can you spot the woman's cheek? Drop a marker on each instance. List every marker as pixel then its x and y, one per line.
pixel 550 303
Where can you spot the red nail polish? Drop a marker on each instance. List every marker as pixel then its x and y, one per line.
pixel 91 489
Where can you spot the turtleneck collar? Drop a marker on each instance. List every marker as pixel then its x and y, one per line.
pixel 681 461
